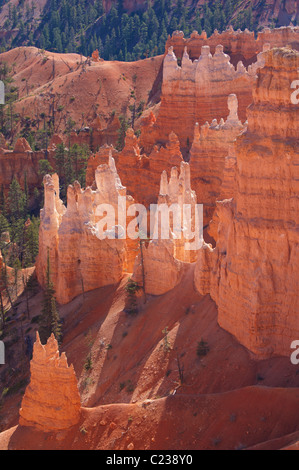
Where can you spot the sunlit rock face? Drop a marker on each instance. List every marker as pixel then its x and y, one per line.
pixel 140 173
pixel 212 144
pixel 195 92
pixel 239 45
pixel 253 273
pixel 79 260
pixel 51 401
pixel 198 75
pixel 160 266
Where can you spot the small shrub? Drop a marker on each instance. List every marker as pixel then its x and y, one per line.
pixel 130 387
pixel 122 386
pixel 216 441
pixel 202 348
pixel 88 363
pixel 131 304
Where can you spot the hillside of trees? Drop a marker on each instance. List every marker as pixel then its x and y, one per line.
pixel 83 25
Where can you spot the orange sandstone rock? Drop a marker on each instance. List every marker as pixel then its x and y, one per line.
pixel 240 45
pixel 22 146
pixel 95 56
pixel 211 146
pixel 51 401
pixel 253 272
pixel 80 261
pixel 140 173
pixel 22 164
pixel 197 92
pixel 161 265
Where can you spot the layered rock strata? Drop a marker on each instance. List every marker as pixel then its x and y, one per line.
pixel 21 163
pixel 253 272
pixel 211 146
pixel 197 91
pixel 51 401
pixel 160 265
pixel 240 45
pixel 140 173
pixel 81 260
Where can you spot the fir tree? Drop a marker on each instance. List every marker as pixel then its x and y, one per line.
pixel 49 321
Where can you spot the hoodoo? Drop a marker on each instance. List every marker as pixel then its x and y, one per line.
pixel 253 272
pixel 51 401
pixel 149 226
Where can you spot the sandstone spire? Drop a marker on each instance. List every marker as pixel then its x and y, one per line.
pixel 211 146
pixel 22 146
pixel 233 119
pixel 165 255
pixel 80 259
pixel 253 272
pixel 51 401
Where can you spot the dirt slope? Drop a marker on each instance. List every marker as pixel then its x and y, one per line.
pixel 227 398
pixel 234 420
pixel 80 89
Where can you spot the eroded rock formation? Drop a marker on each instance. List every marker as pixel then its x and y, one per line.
pixel 20 163
pixel 140 173
pixel 240 45
pixel 197 92
pixel 162 261
pixel 211 146
pixel 253 272
pixel 80 261
pixel 51 401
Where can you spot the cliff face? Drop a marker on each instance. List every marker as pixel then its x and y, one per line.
pixel 211 145
pixel 252 274
pixel 51 401
pixel 239 45
pixel 197 92
pixel 20 163
pixel 140 173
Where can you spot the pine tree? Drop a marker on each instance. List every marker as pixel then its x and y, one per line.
pixel 16 201
pixel 31 242
pixel 49 321
pixel 124 125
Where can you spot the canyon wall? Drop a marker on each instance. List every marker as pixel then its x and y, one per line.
pixel 196 92
pixel 253 272
pixel 20 163
pixel 211 145
pixel 51 401
pixel 140 173
pixel 239 45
